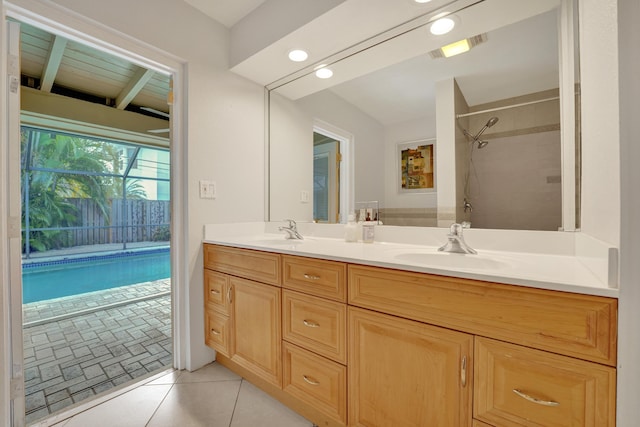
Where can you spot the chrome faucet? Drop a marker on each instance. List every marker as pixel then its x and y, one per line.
pixel 456 243
pixel 467 205
pixel 291 230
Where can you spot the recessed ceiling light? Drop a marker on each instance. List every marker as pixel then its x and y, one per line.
pixel 422 1
pixel 298 55
pixel 456 48
pixel 324 73
pixel 442 26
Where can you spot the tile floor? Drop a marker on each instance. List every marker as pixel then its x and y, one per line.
pixel 212 396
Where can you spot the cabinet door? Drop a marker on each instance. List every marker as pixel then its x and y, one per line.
pixel 404 373
pixel 256 328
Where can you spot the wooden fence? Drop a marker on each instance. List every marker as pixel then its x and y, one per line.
pixel 130 221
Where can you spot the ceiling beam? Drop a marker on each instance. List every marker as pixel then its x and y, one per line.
pixel 52 64
pixel 135 85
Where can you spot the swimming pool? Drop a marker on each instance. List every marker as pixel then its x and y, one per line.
pixel 60 278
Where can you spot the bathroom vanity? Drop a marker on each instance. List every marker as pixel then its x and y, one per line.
pixel 350 341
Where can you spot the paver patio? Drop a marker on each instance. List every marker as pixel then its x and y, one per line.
pixel 79 346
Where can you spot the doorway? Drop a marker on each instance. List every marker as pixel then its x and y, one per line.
pixel 18 376
pixel 332 173
pixel 326 179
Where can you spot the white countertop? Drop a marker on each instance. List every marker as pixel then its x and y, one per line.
pixel 561 272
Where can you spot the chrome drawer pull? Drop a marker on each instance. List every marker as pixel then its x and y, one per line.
pixel 311 276
pixel 311 323
pixel 310 380
pixel 214 332
pixel 215 291
pixel 534 400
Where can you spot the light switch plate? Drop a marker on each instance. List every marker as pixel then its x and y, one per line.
pixel 207 190
pixel 304 196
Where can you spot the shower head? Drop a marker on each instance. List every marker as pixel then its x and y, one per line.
pixel 482 144
pixel 492 121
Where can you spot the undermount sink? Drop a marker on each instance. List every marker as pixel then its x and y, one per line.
pixel 451 260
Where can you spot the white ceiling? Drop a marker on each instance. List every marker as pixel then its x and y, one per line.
pixel 227 12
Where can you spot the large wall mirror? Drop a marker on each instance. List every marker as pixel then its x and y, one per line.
pixel 499 121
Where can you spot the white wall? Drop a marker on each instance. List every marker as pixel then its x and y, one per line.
pixel 629 315
pixel 225 127
pixel 423 128
pixel 446 180
pixel 600 127
pixel 291 160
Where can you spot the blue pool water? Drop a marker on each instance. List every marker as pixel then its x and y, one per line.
pixel 54 279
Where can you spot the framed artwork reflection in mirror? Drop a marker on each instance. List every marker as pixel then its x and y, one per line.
pixel 416 160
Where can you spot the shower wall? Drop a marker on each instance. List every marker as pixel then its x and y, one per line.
pixel 516 183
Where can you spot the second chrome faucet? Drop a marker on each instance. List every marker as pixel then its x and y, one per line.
pixel 291 230
pixel 456 243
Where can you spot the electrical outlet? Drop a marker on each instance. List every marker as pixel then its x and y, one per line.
pixel 304 196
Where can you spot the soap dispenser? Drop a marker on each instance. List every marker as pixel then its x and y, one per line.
pixel 351 229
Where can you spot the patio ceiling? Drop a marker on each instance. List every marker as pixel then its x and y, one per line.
pixel 54 64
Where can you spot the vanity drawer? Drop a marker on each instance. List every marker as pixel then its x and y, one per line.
pixel 216 291
pixel 582 326
pixel 316 277
pixel 254 265
pixel 316 381
pixel 518 386
pixel 217 332
pixel 315 323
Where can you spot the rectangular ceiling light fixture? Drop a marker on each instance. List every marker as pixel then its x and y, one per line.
pixel 458 47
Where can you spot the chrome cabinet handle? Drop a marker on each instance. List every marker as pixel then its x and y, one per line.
pixel 310 380
pixel 214 332
pixel 311 323
pixel 311 276
pixel 535 400
pixel 229 295
pixel 463 371
pixel 215 291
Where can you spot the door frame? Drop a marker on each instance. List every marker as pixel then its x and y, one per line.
pixel 58 20
pixel 347 172
pixel 329 151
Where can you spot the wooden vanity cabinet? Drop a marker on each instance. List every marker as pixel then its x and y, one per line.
pixel 243 311
pixel 411 349
pixel 557 349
